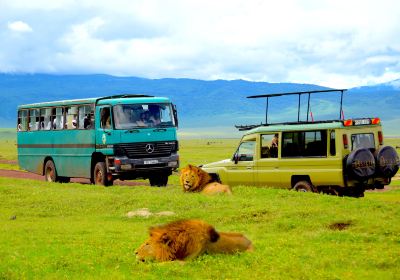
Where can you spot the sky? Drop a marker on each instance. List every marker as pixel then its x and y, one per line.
pixel 339 44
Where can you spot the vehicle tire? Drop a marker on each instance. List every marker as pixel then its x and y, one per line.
pixel 50 172
pixel 360 164
pixel 387 162
pixel 158 180
pixel 64 179
pixel 100 174
pixel 304 186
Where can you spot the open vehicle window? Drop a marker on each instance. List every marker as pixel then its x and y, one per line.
pixel 127 116
pixel 86 117
pixel 34 118
pixel 45 119
pixel 269 145
pixel 362 140
pixel 245 152
pixel 105 120
pixel 304 143
pixel 22 120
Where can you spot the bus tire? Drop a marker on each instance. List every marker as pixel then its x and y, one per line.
pixel 100 174
pixel 303 186
pixel 159 180
pixel 50 172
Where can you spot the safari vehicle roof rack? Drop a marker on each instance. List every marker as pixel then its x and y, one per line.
pixel 299 93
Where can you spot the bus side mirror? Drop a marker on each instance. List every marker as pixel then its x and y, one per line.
pixel 175 113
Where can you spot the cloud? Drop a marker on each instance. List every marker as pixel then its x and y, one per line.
pixel 19 26
pixel 335 43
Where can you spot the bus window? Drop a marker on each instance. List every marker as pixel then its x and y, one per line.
pixel 58 118
pixel 45 119
pixel 22 120
pixel 34 119
pixel 86 117
pixel 71 117
pixel 105 118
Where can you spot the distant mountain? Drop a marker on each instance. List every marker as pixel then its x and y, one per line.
pixel 204 105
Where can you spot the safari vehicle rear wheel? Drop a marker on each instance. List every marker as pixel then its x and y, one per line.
pixel 304 186
pixel 100 174
pixel 50 173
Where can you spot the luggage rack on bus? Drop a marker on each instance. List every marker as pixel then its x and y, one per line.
pixel 299 93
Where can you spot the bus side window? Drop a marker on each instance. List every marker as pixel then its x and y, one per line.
pixel 86 120
pixel 34 119
pixel 71 117
pixel 58 118
pixel 45 119
pixel 22 120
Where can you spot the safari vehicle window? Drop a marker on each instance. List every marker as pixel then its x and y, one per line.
pixel 45 119
pixel 269 145
pixel 22 120
pixel 105 120
pixel 129 116
pixel 332 144
pixel 34 119
pixel 86 117
pixel 245 152
pixel 304 143
pixel 58 118
pixel 362 140
pixel 72 117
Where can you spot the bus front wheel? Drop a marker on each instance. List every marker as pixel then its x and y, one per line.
pixel 50 173
pixel 100 174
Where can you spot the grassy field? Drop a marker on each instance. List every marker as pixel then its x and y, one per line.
pixel 75 231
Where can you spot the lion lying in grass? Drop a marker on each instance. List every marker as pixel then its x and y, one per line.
pixel 195 179
pixel 187 239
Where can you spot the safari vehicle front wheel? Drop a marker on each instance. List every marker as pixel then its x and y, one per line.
pixel 303 186
pixel 100 174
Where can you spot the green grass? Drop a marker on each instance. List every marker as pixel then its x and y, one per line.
pixel 74 231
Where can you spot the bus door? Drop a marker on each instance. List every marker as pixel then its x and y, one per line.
pixel 105 134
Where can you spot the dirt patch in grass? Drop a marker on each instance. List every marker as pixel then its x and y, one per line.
pixel 340 225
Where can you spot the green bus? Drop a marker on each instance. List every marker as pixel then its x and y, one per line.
pixel 122 137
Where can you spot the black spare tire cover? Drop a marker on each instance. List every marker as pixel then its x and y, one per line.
pixel 387 161
pixel 360 164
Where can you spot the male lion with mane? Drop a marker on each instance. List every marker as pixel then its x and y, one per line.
pixel 187 239
pixel 195 179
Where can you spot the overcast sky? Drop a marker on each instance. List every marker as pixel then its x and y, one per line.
pixel 339 43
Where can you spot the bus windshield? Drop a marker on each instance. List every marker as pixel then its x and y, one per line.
pixel 127 116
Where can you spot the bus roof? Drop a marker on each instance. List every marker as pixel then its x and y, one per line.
pixel 111 100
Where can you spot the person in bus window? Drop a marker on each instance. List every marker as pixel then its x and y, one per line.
pixel 105 118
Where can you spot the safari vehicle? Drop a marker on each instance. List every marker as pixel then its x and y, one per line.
pixel 115 137
pixel 341 157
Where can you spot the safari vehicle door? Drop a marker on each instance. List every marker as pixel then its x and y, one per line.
pixel 267 165
pixel 240 171
pixel 105 134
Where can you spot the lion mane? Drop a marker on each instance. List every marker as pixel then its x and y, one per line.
pixel 178 240
pixel 187 239
pixel 195 179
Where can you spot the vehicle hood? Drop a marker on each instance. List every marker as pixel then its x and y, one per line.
pixel 216 164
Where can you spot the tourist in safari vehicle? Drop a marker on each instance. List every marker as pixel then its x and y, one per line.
pixel 341 157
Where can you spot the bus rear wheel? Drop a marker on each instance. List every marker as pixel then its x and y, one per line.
pixel 50 173
pixel 100 174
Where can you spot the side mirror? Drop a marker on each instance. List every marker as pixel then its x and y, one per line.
pixel 175 113
pixel 236 158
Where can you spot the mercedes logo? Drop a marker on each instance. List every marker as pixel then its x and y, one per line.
pixel 149 148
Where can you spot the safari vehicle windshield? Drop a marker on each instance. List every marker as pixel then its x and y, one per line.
pixel 128 116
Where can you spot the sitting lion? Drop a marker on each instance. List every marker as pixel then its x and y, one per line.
pixel 186 239
pixel 179 240
pixel 195 179
pixel 230 243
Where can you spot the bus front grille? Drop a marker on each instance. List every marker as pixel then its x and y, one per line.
pixel 145 150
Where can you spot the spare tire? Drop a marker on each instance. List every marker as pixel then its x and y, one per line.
pixel 360 164
pixel 387 161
